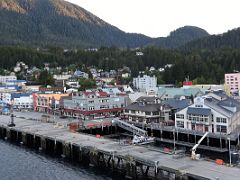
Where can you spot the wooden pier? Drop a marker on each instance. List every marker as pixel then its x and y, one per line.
pixel 134 161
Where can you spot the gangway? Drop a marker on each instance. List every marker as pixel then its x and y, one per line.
pixel 129 127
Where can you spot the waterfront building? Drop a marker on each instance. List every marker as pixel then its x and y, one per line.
pixel 215 112
pixel 177 105
pixel 47 103
pixel 94 104
pixel 142 83
pixel 147 110
pixel 22 101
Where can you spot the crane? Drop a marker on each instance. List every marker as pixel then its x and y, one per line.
pixel 193 155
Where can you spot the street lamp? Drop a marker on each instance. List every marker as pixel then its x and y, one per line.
pixel 102 125
pixel 174 143
pixel 11 124
pixel 229 147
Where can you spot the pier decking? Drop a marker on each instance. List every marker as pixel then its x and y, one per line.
pixel 109 153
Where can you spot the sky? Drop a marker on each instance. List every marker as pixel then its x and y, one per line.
pixel 157 18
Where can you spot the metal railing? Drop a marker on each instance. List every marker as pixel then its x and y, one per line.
pixel 129 127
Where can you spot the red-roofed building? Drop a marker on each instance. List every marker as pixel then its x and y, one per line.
pixel 94 104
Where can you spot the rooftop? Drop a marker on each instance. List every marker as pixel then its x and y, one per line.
pixel 148 99
pixel 18 95
pixel 172 92
pixel 137 106
pixel 177 104
pixel 55 96
pixel 199 111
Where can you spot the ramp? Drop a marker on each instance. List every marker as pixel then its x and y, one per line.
pixel 129 127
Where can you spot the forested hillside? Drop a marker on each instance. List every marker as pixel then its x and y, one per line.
pixel 203 66
pixel 180 37
pixel 230 39
pixel 40 23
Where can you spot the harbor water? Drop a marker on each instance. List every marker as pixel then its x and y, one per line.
pixel 19 163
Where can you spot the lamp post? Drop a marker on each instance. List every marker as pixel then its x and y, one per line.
pixel 11 124
pixel 174 143
pixel 229 147
pixel 102 125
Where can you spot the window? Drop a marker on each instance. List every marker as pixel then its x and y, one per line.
pixel 221 120
pixel 133 111
pixel 90 102
pixel 126 111
pixel 198 118
pixel 148 113
pixel 180 116
pixel 91 108
pixel 155 113
pixel 104 100
pixel 104 107
pixel 180 124
pixel 222 129
pixel 115 106
pixel 199 106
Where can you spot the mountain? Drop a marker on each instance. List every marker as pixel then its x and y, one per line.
pixel 60 23
pixel 180 37
pixel 230 39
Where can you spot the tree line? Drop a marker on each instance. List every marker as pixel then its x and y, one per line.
pixel 202 66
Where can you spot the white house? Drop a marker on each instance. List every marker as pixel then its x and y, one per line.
pixel 215 112
pixel 126 75
pixel 62 77
pixel 152 68
pixel 73 83
pixel 4 79
pixel 80 74
pixel 139 53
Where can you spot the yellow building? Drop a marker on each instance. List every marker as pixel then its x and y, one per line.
pixel 47 102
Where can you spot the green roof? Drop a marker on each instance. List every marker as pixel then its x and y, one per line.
pixel 172 92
